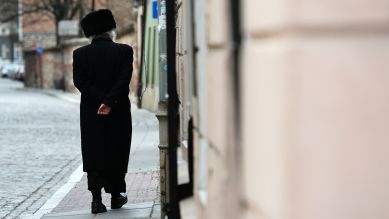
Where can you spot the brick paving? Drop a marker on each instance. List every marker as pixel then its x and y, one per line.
pixel 141 187
pixel 142 178
pixel 39 147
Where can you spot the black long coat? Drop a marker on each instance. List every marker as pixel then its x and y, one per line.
pixel 102 72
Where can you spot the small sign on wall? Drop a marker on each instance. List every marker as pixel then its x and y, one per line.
pixel 162 17
pixel 68 28
pixel 155 9
pixel 39 50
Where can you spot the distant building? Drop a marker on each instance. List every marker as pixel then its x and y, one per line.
pixel 52 68
pixel 38 30
pixel 10 49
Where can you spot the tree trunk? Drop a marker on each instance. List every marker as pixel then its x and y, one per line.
pixel 57 39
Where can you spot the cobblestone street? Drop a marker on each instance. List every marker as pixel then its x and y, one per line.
pixel 39 147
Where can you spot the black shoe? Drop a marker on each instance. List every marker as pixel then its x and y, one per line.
pixel 118 202
pixel 98 207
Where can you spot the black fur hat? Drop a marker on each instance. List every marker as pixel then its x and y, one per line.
pixel 98 22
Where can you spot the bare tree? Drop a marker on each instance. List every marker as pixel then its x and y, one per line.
pixel 8 10
pixel 56 10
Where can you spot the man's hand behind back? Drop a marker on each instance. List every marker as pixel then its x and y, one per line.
pixel 103 110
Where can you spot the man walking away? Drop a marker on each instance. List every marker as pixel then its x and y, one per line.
pixel 102 72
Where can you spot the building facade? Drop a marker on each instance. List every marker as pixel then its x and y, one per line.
pixel 51 67
pixel 10 37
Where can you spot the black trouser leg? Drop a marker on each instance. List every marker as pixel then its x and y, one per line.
pixel 115 194
pixel 116 183
pixel 113 183
pixel 96 195
pixel 96 182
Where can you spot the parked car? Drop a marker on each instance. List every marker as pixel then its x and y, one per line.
pixel 2 64
pixel 10 70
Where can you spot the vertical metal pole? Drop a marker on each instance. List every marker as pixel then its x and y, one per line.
pixel 20 20
pixel 93 5
pixel 39 67
pixel 234 154
pixel 142 53
pixel 236 40
pixel 162 51
pixel 38 73
pixel 20 30
pixel 163 156
pixel 162 113
pixel 174 211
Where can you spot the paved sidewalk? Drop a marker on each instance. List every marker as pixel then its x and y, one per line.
pixel 141 210
pixel 142 177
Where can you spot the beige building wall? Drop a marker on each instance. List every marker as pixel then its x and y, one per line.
pixel 216 176
pixel 130 39
pixel 315 103
pixel 315 109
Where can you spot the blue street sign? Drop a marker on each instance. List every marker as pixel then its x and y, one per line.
pixel 39 50
pixel 155 9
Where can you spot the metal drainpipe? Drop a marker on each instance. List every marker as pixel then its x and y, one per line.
pixel 236 38
pixel 162 113
pixel 140 82
pixel 93 5
pixel 173 209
